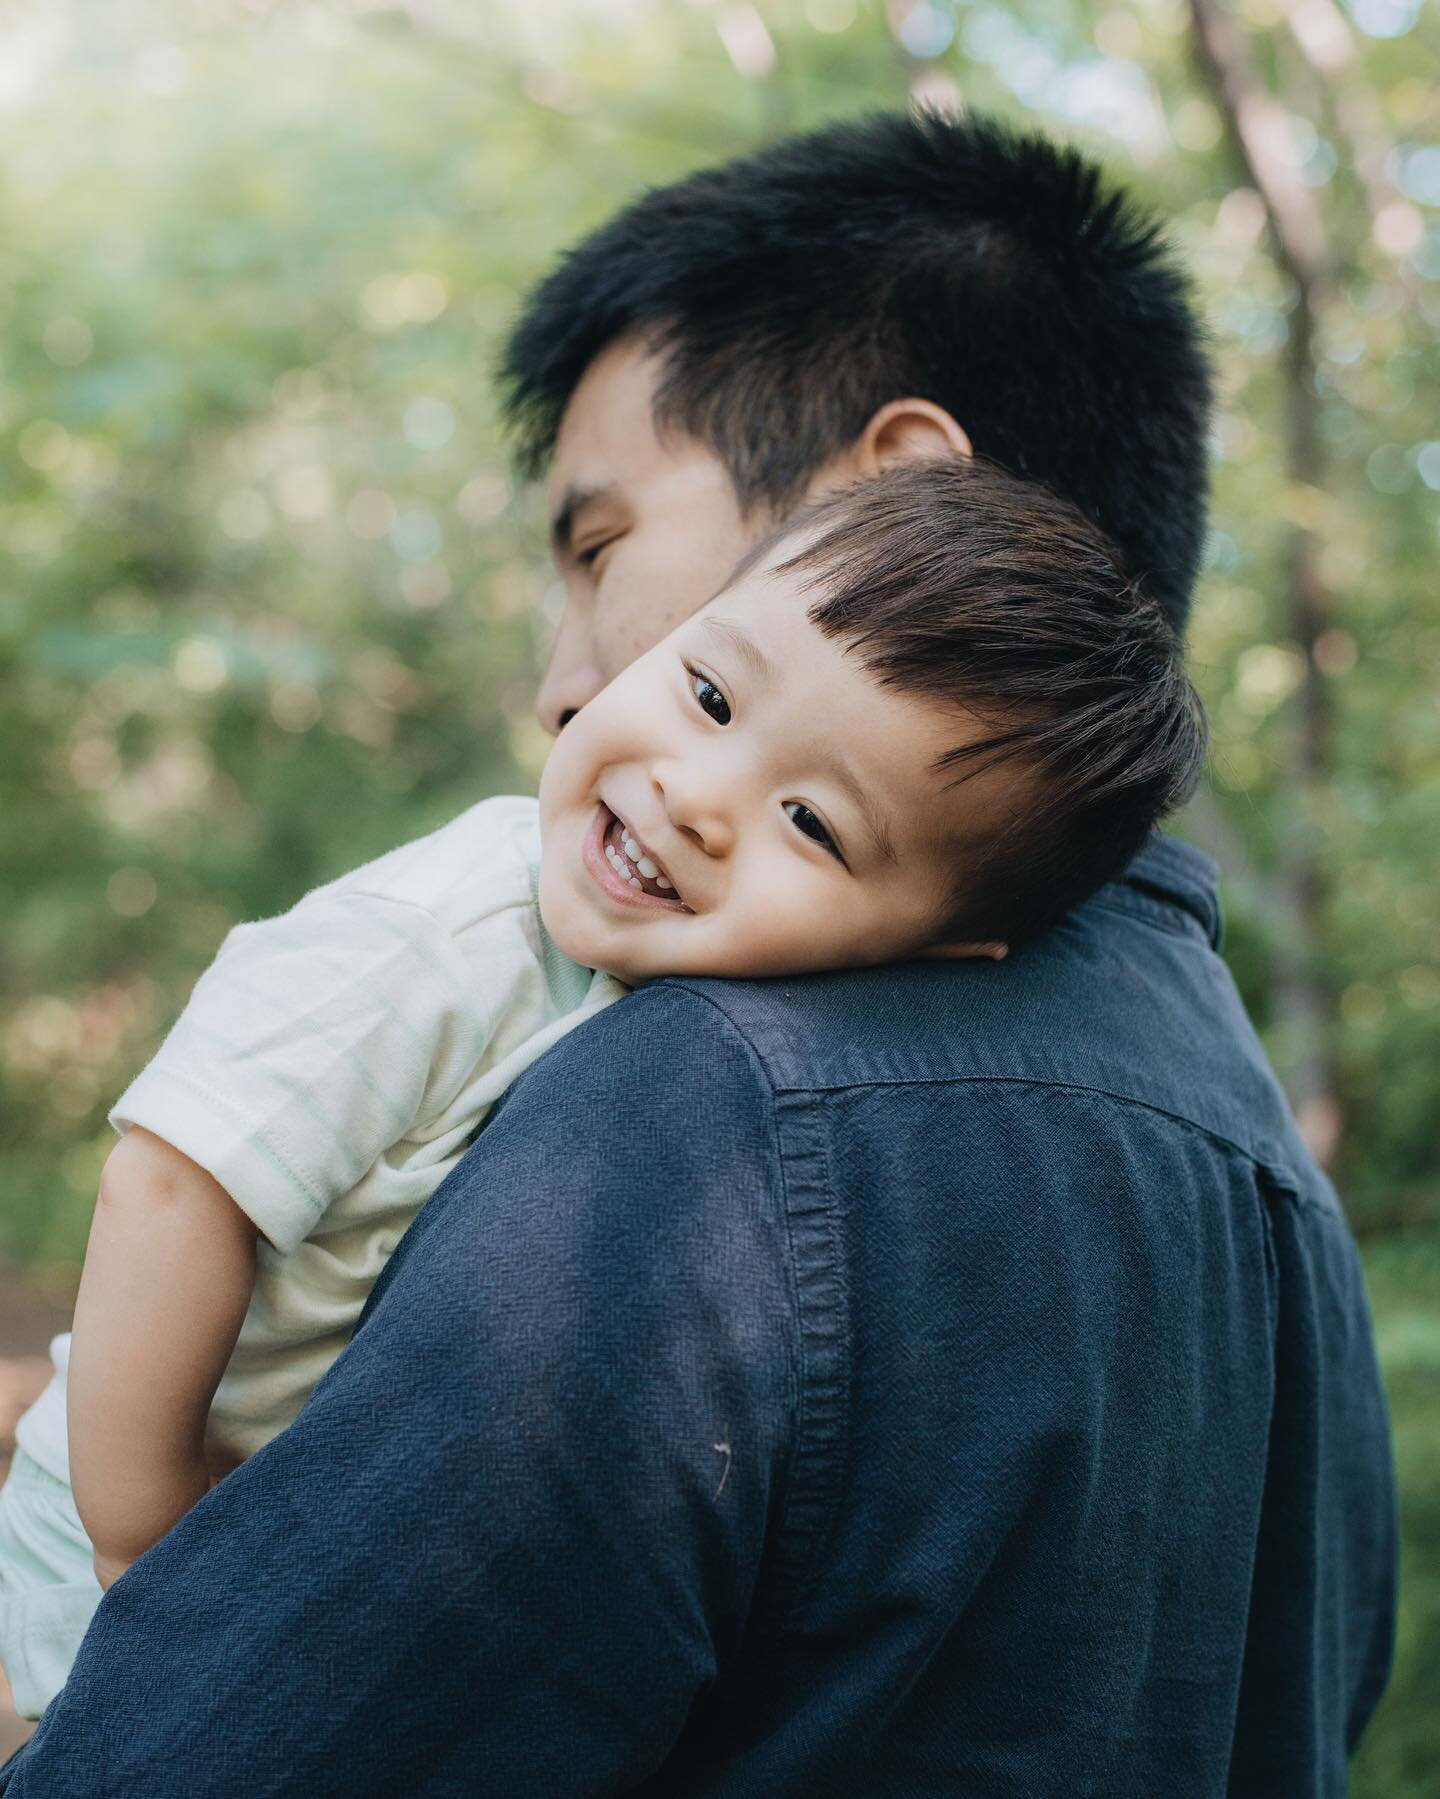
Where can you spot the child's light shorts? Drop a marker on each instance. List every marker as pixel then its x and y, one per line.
pixel 48 1589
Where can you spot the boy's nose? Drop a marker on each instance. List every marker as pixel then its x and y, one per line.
pixel 697 806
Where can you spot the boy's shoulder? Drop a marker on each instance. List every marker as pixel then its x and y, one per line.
pixel 483 862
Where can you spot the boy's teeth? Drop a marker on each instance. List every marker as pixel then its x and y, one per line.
pixel 617 862
pixel 647 865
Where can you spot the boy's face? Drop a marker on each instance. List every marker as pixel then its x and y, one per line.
pixel 745 800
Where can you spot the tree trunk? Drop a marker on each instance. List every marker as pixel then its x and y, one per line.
pixel 1260 131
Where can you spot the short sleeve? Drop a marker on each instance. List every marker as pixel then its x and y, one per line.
pixel 312 1043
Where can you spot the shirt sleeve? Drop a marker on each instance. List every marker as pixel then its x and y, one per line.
pixel 313 1041
pixel 517 1530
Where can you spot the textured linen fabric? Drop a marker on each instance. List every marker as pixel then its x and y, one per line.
pixel 329 1070
pixel 333 1063
pixel 954 1379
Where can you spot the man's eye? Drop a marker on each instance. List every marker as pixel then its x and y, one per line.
pixel 805 820
pixel 591 554
pixel 712 702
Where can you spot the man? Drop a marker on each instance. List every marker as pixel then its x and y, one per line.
pixel 954 1379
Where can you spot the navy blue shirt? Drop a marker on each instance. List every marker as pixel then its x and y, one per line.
pixel 954 1379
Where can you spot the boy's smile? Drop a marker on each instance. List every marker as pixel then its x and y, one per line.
pixel 625 867
pixel 746 799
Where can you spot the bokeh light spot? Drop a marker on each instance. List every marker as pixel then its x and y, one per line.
pixel 415 535
pixel 1388 469
pixel 131 892
pixel 394 300
pixel 483 498
pixel 429 423
pixel 1195 125
pixel 1384 18
pixel 830 15
pixel 1335 652
pixel 1119 34
pixel 305 492
pixel 1266 674
pixel 370 513
pixel 200 665
pixel 926 30
pixel 1421 985
pixel 44 445
pixel 294 705
pixel 1398 228
pixel 425 585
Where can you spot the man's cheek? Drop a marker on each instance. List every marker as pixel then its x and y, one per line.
pixel 632 622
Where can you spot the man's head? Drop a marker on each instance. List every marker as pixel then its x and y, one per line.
pixel 895 289
pixel 928 716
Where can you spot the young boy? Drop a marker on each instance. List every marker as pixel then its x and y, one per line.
pixel 927 718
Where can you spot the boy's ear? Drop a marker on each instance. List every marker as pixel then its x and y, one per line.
pixel 959 952
pixel 911 430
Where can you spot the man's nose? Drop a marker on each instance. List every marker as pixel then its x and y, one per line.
pixel 572 679
pixel 700 804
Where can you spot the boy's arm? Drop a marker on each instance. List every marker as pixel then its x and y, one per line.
pixel 313 1041
pixel 168 1274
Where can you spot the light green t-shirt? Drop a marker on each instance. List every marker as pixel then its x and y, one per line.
pixel 333 1064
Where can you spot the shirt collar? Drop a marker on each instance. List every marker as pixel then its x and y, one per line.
pixel 1178 874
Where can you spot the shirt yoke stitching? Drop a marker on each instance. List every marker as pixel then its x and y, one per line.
pixel 1247 1150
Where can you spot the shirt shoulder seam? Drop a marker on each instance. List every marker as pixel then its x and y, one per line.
pixel 1262 1156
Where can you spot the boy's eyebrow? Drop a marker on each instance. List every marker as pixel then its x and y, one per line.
pixel 572 503
pixel 869 811
pixel 740 639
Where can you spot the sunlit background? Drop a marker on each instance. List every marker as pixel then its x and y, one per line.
pixel 270 601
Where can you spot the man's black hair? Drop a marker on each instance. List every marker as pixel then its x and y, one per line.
pixel 794 292
pixel 979 592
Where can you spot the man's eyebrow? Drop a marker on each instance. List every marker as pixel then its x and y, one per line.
pixel 740 639
pixel 572 503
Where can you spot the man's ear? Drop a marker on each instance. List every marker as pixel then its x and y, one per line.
pixel 959 952
pixel 901 431
pixel 908 431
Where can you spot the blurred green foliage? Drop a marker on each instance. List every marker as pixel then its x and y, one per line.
pixel 269 602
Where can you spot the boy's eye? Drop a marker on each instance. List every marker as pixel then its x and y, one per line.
pixel 591 554
pixel 805 820
pixel 712 702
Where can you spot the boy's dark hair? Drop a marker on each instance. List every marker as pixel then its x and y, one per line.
pixel 794 292
pixel 960 583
